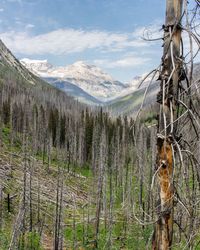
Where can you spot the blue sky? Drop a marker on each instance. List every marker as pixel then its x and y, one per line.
pixel 106 33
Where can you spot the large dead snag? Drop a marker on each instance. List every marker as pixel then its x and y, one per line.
pixel 164 227
pixel 167 98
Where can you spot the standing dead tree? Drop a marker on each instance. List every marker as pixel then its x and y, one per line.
pixel 178 128
pixel 167 129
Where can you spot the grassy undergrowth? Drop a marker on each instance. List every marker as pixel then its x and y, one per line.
pixel 79 209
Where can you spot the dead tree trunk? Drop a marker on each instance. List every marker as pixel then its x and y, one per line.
pixel 167 127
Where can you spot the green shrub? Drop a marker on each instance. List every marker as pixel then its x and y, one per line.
pixel 30 241
pixel 4 240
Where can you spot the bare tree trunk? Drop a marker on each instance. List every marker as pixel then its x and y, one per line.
pixel 25 179
pixel 56 236
pixel 111 201
pixel 102 163
pixel 1 206
pixel 17 227
pixel 170 77
pixel 30 197
pixel 60 214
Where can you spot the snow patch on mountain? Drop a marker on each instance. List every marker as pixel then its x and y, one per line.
pixel 36 66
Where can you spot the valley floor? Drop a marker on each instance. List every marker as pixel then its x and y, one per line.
pixel 39 201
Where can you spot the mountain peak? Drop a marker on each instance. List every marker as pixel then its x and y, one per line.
pixel 80 63
pixel 86 67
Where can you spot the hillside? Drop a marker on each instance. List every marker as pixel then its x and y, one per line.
pixel 54 161
pixel 12 69
pixel 131 103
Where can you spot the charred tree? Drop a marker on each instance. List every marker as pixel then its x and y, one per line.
pixel 167 126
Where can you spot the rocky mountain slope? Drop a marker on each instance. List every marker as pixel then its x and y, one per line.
pixel 73 90
pixel 7 57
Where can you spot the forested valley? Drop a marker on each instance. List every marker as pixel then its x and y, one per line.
pixel 74 176
pixel 70 174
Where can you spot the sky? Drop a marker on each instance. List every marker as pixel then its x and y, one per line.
pixel 106 33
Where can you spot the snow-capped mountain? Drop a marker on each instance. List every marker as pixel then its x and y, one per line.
pixel 87 77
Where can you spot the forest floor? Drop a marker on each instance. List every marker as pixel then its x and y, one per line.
pixel 78 203
pixel 118 228
pixel 41 186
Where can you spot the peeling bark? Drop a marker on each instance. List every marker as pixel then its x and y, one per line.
pixel 167 97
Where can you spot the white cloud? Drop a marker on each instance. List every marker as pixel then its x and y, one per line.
pixel 29 26
pixel 1 9
pixel 126 62
pixel 65 41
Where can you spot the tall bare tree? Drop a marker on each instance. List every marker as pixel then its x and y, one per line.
pixel 170 77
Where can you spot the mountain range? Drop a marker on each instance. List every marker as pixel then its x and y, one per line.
pixel 87 83
pixel 95 84
pixel 84 82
